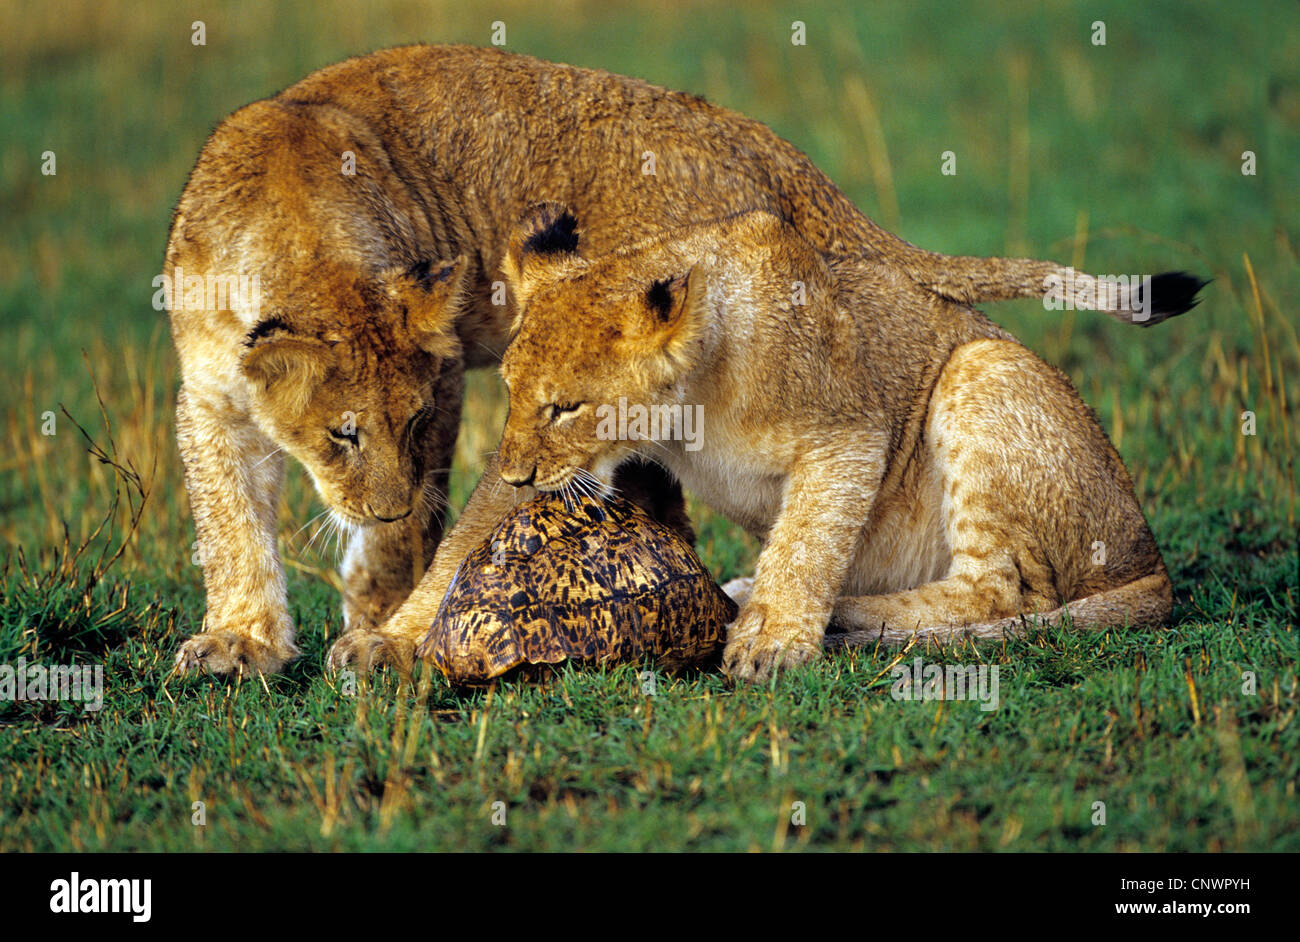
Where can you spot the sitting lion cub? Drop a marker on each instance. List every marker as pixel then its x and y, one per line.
pixel 908 465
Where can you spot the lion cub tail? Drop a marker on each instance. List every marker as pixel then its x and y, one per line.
pixel 1144 300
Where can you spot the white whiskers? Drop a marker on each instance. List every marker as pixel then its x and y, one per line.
pixel 338 532
pixel 587 483
pixel 268 458
pixel 306 525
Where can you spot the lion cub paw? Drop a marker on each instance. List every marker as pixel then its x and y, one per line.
pixel 228 652
pixel 759 644
pixel 367 649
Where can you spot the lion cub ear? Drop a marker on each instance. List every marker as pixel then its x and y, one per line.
pixel 285 365
pixel 543 246
pixel 433 294
pixel 672 317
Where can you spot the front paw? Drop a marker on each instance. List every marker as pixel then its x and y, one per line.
pixel 761 643
pixel 228 652
pixel 368 649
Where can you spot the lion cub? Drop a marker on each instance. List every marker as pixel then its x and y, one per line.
pixel 908 465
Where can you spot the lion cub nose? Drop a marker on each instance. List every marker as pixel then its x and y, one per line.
pixel 378 516
pixel 517 481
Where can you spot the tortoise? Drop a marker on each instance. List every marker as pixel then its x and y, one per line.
pixel 582 579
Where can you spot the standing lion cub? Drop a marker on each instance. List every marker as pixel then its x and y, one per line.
pixel 909 466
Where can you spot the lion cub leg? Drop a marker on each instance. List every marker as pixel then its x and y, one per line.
pixel 983 585
pixel 233 474
pixel 802 568
pixel 383 563
pixel 1031 488
pixel 382 566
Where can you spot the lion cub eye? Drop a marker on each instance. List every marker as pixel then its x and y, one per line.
pixel 418 421
pixel 344 438
pixel 561 408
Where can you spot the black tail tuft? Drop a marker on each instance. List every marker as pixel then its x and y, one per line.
pixel 1172 293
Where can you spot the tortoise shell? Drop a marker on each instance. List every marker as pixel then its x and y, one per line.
pixel 584 580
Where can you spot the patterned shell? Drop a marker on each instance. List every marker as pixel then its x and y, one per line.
pixel 595 581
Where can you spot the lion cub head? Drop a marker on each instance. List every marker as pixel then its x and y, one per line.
pixel 343 378
pixel 628 326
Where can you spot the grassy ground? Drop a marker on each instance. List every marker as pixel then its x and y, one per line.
pixel 1121 158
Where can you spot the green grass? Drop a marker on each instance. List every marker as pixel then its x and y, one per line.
pixel 1124 158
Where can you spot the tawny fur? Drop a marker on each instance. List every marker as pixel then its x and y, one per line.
pixel 909 467
pixel 451 145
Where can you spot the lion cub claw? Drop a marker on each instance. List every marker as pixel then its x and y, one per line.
pixel 760 645
pixel 228 652
pixel 366 649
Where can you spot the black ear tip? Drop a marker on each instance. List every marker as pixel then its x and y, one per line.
pixel 419 270
pixel 659 297
pixel 265 328
pixel 550 229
